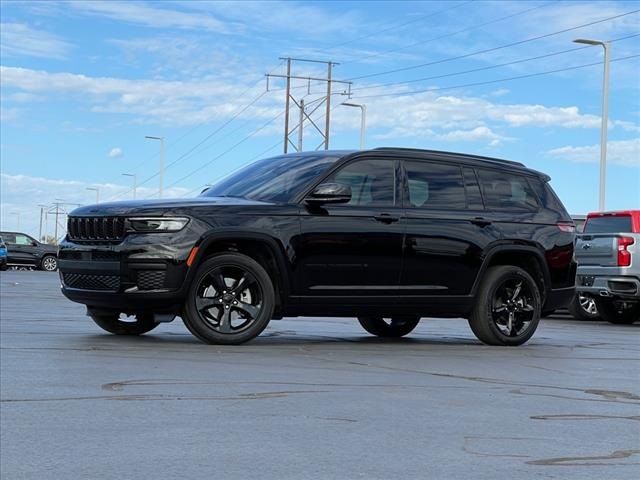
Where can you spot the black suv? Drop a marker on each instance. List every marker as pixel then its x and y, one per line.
pixel 26 251
pixel 387 235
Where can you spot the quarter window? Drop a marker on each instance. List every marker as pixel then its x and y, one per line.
pixel 372 182
pixel 433 185
pixel 505 191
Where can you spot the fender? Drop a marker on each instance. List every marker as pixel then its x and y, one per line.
pixel 512 248
pixel 223 234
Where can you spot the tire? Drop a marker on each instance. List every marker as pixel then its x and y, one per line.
pixel 583 307
pixel 613 313
pixel 4 267
pixel 508 298
pixel 112 323
pixel 394 328
pixel 229 289
pixel 49 263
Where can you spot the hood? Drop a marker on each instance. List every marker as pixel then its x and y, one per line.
pixel 158 207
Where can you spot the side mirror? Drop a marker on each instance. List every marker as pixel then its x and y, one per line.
pixel 329 193
pixel 34 243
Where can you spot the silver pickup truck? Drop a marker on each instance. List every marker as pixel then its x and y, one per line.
pixel 608 255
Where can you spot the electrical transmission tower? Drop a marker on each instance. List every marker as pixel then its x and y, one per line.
pixel 300 104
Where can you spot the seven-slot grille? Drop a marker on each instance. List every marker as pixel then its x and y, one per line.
pixel 95 229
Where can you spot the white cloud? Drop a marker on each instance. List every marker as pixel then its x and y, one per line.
pixel 144 14
pixel 18 39
pixel 619 152
pixel 476 134
pixel 115 152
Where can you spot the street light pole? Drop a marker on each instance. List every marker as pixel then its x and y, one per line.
pixel 97 190
pixel 605 116
pixel 161 140
pixel 135 182
pixel 363 120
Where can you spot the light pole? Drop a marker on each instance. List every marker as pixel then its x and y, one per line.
pixel 363 120
pixel 605 115
pixel 97 190
pixel 135 182
pixel 42 207
pixel 161 140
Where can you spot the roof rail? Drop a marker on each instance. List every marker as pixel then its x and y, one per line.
pixel 466 155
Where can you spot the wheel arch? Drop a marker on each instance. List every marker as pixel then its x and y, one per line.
pixel 527 257
pixel 264 249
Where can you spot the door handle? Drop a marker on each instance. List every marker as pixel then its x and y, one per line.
pixel 386 218
pixel 481 221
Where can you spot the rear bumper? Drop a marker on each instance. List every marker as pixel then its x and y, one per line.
pixel 559 298
pixel 620 287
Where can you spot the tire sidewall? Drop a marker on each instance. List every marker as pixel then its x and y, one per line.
pixel 200 328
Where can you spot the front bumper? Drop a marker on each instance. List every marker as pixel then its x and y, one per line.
pixel 132 276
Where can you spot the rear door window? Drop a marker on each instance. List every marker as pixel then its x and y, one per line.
pixel 507 191
pixel 434 185
pixel 608 224
pixel 9 237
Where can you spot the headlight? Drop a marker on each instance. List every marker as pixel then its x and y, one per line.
pixel 168 224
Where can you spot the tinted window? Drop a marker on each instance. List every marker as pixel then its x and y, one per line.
pixel 432 185
pixel 547 196
pixel 372 182
pixel 608 224
pixel 474 199
pixel 505 191
pixel 277 179
pixel 9 237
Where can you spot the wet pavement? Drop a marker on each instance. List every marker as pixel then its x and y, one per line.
pixel 310 398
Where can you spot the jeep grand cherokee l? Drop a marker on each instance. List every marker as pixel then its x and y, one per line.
pixel 387 235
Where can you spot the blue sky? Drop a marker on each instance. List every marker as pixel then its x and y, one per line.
pixel 82 83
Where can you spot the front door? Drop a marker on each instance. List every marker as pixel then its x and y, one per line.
pixel 354 249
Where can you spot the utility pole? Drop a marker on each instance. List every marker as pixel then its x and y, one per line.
pixel 42 207
pixel 290 98
pixel 300 125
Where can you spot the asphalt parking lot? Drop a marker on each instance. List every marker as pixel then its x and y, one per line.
pixel 310 399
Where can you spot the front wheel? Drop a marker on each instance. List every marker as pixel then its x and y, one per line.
pixel 114 323
pixel 389 327
pixel 49 263
pixel 617 312
pixel 230 301
pixel 507 308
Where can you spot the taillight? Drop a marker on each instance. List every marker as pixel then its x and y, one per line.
pixel 568 227
pixel 624 255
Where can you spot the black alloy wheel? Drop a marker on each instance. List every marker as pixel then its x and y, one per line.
pixel 389 327
pixel 507 309
pixel 230 301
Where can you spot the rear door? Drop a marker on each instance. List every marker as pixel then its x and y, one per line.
pixel 447 229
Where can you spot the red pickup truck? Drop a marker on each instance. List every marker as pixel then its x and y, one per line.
pixel 608 255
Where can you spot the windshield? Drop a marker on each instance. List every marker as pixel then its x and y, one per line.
pixel 276 179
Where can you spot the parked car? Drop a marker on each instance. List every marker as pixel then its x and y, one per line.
pixel 387 235
pixel 583 306
pixel 608 254
pixel 3 255
pixel 25 251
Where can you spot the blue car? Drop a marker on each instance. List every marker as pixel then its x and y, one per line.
pixel 3 255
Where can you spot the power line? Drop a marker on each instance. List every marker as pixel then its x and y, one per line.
pixel 489 67
pixel 493 49
pixel 360 59
pixel 436 89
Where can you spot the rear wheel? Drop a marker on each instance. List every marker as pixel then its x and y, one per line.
pixel 583 307
pixel 49 263
pixel 124 325
pixel 389 327
pixel 230 301
pixel 617 312
pixel 507 309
